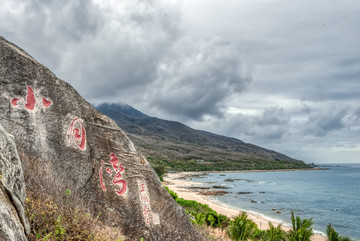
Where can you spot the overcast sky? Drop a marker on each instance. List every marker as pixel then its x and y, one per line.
pixel 281 74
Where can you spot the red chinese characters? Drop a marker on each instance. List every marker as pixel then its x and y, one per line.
pixel 76 134
pixel 31 100
pixel 14 101
pixel 117 180
pixel 101 180
pixel 144 199
pixel 46 102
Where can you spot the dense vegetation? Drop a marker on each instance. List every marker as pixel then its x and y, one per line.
pixel 242 228
pixel 252 163
pixel 333 235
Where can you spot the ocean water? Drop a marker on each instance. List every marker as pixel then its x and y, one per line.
pixel 326 196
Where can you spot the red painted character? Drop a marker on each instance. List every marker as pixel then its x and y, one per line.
pixel 118 168
pixel 74 135
pixel 46 102
pixel 101 180
pixel 142 188
pixel 146 210
pixel 14 101
pixel 31 100
pixel 144 198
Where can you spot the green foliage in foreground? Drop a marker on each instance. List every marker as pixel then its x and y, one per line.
pixel 241 228
pixel 200 213
pixel 301 229
pixel 272 234
pixel 333 235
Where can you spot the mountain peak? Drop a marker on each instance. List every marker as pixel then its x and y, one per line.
pixel 120 109
pixel 174 141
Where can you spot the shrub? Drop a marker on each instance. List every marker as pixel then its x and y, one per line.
pixel 274 233
pixel 200 213
pixel 333 235
pixel 160 170
pixel 200 218
pixel 301 229
pixel 223 221
pixel 172 193
pixel 241 228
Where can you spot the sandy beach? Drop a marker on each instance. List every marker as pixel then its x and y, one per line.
pixel 177 183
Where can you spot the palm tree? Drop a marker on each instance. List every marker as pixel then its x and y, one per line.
pixel 241 228
pixel 301 229
pixel 274 233
pixel 333 235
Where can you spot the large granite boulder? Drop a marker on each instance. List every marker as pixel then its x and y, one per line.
pixel 80 149
pixel 13 222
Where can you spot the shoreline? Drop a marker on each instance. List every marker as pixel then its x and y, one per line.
pixel 178 183
pixel 186 174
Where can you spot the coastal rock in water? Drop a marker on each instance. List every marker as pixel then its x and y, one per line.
pixel 66 144
pixel 245 193
pixel 13 222
pixel 233 180
pixel 213 193
pixel 197 188
pixel 220 187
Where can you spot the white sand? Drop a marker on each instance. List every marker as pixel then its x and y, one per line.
pixel 173 181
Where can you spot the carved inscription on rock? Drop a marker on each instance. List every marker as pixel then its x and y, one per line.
pixel 76 134
pixel 30 100
pixel 149 216
pixel 116 171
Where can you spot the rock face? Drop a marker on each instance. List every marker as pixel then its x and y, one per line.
pixel 13 222
pixel 75 147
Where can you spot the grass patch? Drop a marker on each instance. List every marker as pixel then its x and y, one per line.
pixel 50 220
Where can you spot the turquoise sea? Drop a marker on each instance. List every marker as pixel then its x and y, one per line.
pixel 326 196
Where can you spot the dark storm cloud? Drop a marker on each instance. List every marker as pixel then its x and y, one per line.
pixel 131 51
pixel 72 20
pixel 182 61
pixel 46 28
pixel 198 78
pixel 99 49
pixel 325 121
pixel 271 124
